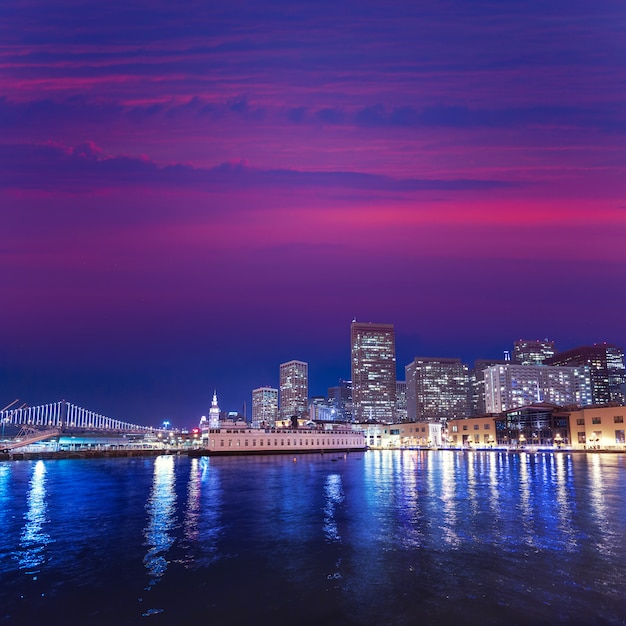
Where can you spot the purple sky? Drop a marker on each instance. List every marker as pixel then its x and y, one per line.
pixel 193 193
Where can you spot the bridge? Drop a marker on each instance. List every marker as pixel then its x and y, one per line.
pixel 50 420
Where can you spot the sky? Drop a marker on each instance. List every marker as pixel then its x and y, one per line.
pixel 192 193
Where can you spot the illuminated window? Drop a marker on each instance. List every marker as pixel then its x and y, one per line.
pixel 455 429
pixel 619 436
pixel 581 438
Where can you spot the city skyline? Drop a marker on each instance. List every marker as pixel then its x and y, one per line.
pixel 191 195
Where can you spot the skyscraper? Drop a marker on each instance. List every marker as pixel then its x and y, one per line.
pixel 400 401
pixel 265 405
pixel 373 348
pixel 532 351
pixel 477 384
pixel 294 389
pixel 606 369
pixel 436 388
pixel 340 399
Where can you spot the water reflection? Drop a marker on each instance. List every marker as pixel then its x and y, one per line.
pixel 596 499
pixel 494 463
pixel 34 539
pixel 192 511
pixel 449 498
pixel 161 518
pixel 202 527
pixel 333 496
pixel 526 509
pixel 5 475
pixel 562 470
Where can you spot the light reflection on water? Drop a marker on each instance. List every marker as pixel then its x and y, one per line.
pixel 5 477
pixel 525 490
pixel 204 525
pixel 561 478
pixel 161 509
pixel 34 538
pixel 449 497
pixel 333 493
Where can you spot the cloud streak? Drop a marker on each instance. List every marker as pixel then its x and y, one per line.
pixel 54 167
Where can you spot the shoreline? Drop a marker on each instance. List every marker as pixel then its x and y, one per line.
pixel 148 452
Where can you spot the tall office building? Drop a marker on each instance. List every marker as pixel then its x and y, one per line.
pixel 294 389
pixel 477 384
pixel 512 386
pixel 373 348
pixel 533 351
pixel 340 399
pixel 265 405
pixel 401 401
pixel 436 389
pixel 606 369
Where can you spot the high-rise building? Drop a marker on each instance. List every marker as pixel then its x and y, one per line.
pixel 340 399
pixel 436 389
pixel 265 405
pixel 294 389
pixel 477 384
pixel 606 369
pixel 512 386
pixel 373 348
pixel 532 351
pixel 401 401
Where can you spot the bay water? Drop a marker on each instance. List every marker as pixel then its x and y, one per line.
pixel 379 537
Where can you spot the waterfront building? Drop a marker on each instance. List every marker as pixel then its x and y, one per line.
pixel 539 424
pixel 436 389
pixel 512 386
pixel 606 369
pixel 599 428
pixel 533 351
pixel 340 399
pixel 264 405
pixel 474 431
pixel 403 435
pixel 294 389
pixel 214 413
pixel 373 351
